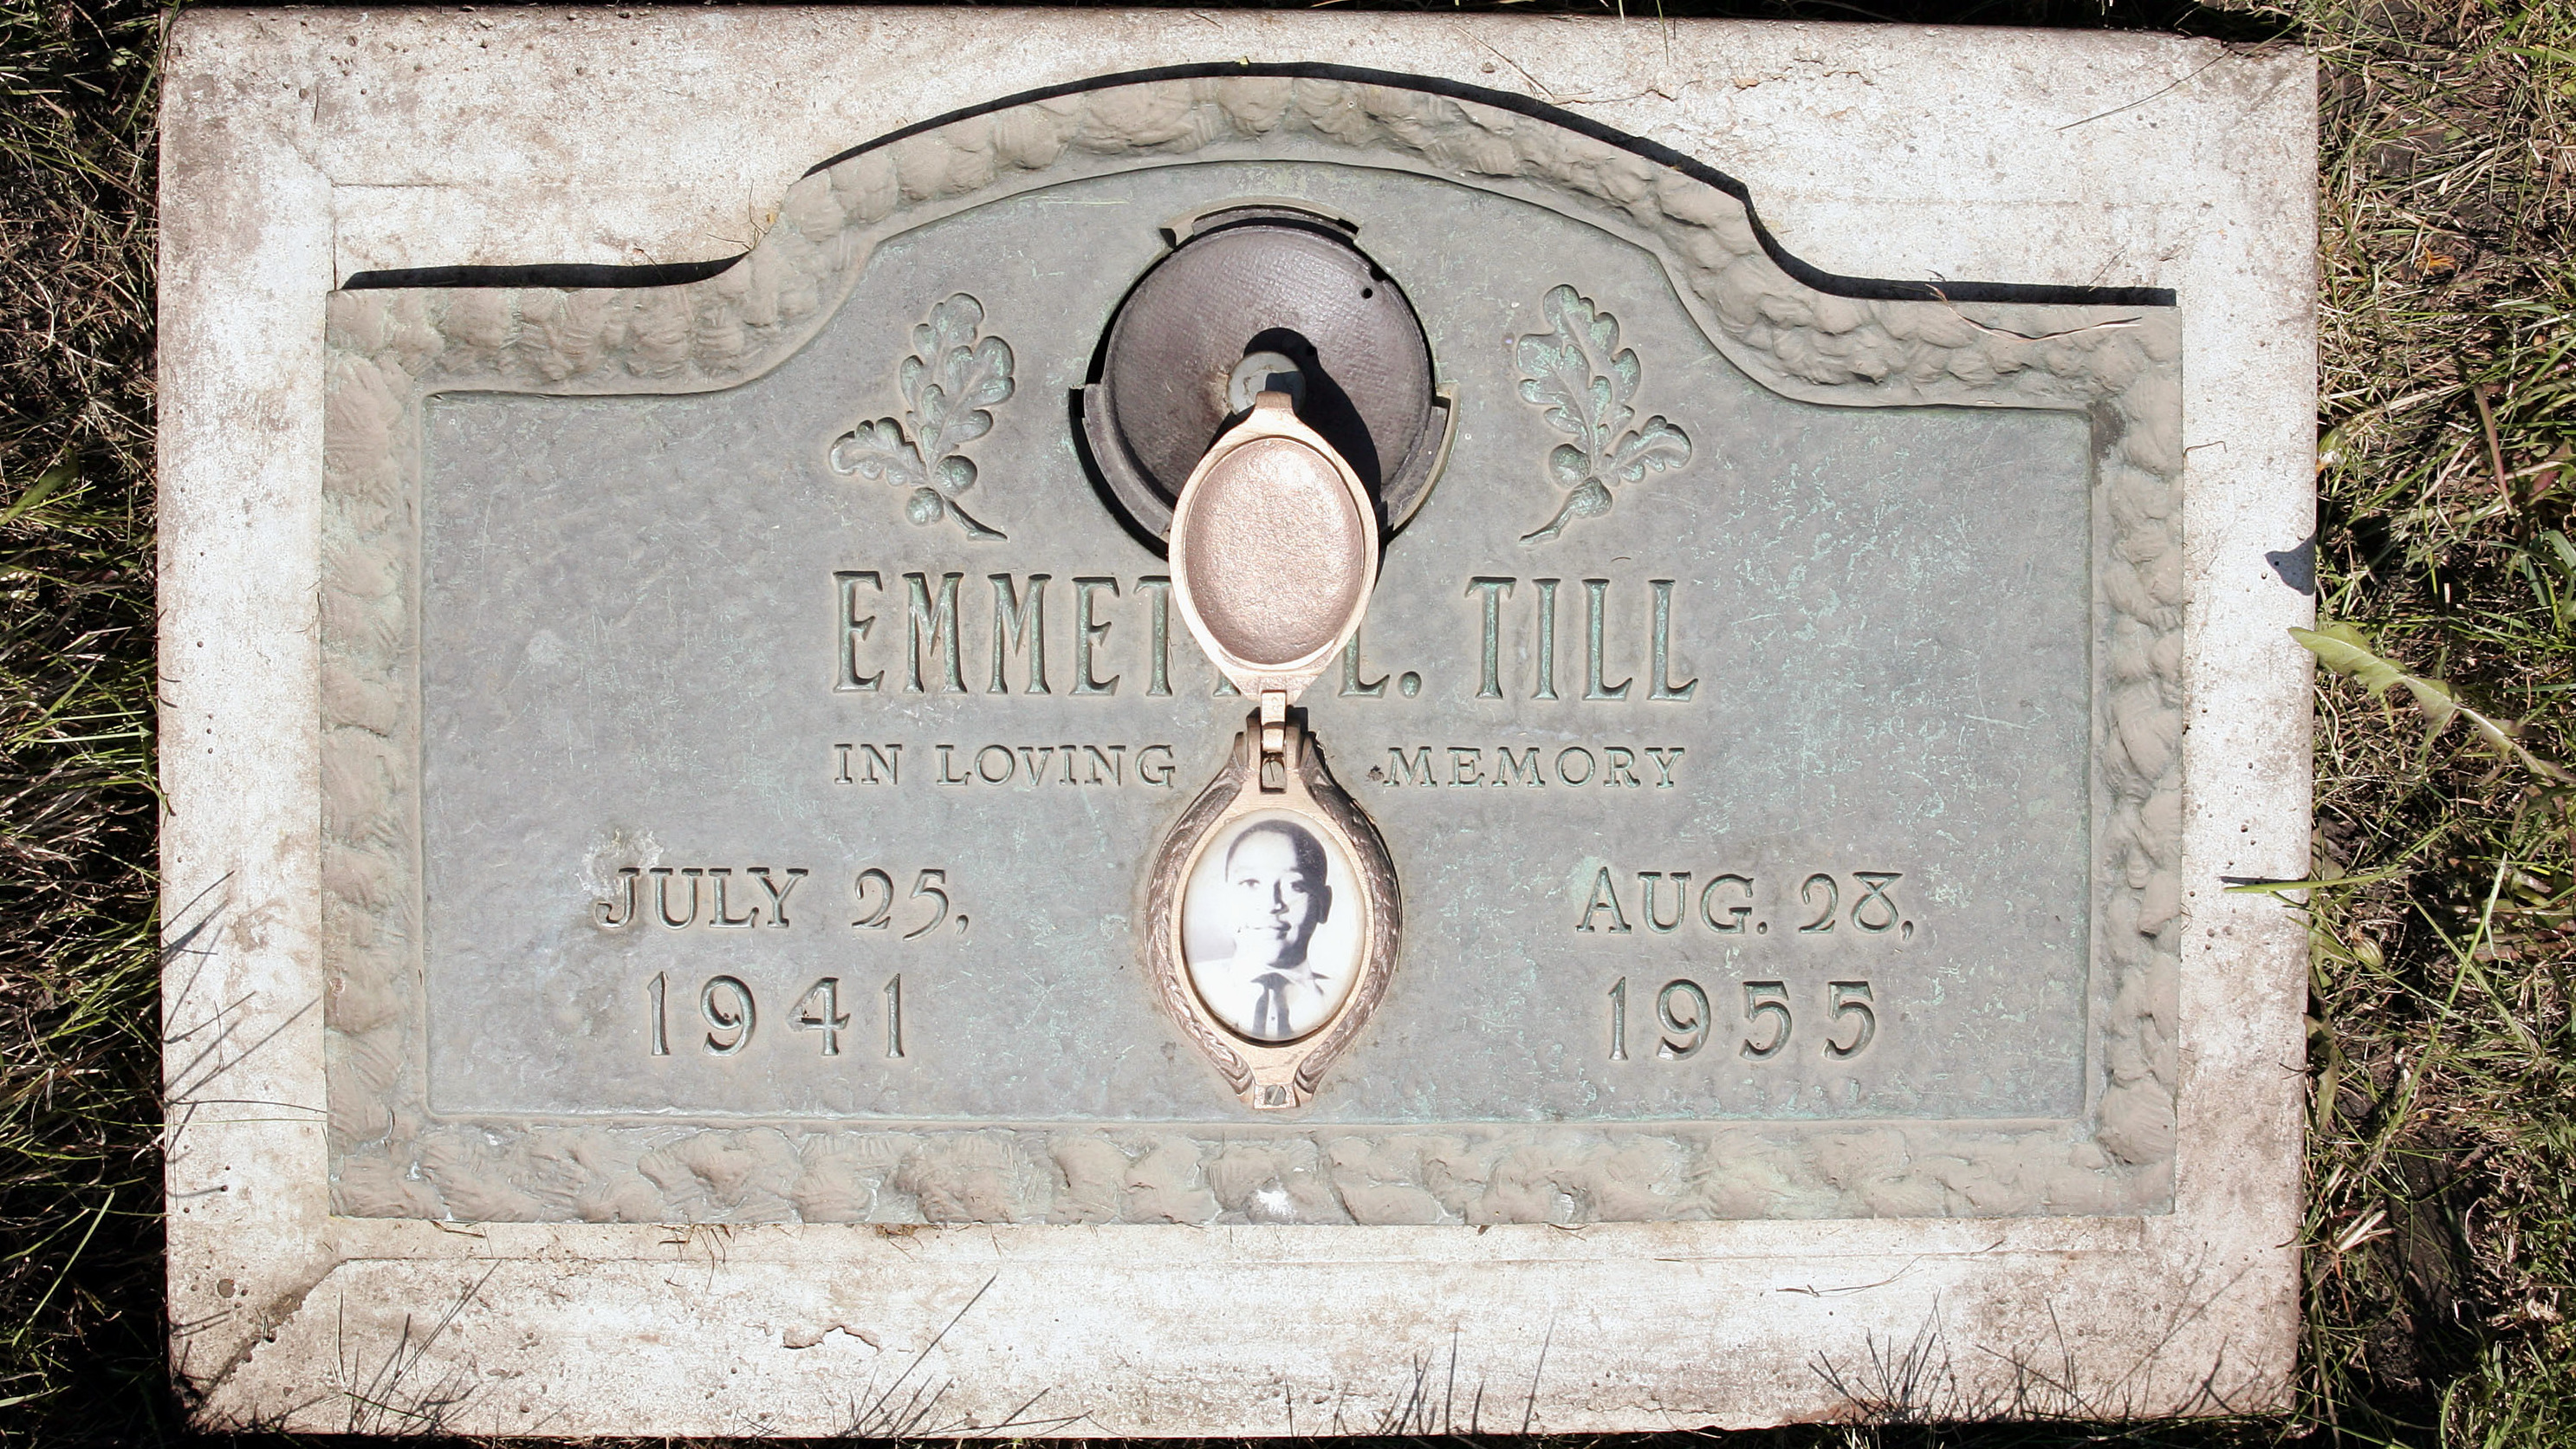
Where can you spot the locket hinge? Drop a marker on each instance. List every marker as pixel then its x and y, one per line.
pixel 1273 764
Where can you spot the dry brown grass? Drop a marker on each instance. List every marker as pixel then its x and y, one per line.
pixel 2443 1206
pixel 79 1185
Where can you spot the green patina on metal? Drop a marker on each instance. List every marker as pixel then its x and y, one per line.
pixel 1873 607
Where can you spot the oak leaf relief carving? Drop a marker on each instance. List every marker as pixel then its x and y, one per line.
pixel 949 385
pixel 1587 383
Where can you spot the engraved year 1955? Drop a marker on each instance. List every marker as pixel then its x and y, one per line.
pixel 1687 1019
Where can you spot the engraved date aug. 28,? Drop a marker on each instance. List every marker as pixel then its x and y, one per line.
pixel 1725 903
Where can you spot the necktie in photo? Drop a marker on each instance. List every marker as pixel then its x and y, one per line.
pixel 1270 1013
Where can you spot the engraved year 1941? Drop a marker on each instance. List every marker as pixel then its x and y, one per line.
pixel 732 1015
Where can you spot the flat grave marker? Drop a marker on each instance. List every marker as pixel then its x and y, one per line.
pixel 1240 701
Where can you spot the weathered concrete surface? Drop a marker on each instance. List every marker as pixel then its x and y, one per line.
pixel 302 147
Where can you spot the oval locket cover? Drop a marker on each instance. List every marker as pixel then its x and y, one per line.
pixel 1272 911
pixel 1274 551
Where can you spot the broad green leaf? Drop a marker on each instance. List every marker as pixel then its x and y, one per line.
pixel 2566 551
pixel 2342 648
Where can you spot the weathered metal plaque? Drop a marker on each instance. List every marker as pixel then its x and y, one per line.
pixel 1792 723
pixel 791 752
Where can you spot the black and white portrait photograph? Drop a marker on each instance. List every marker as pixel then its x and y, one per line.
pixel 1270 927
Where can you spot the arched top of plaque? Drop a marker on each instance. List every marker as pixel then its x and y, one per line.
pixel 1795 328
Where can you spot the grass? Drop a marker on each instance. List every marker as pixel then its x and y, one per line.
pixel 2441 1237
pixel 2442 1214
pixel 80 1324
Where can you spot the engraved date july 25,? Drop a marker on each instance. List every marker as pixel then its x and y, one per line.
pixel 714 897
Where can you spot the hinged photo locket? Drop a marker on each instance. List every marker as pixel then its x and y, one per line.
pixel 1272 911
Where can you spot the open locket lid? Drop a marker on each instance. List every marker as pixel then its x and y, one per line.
pixel 1274 550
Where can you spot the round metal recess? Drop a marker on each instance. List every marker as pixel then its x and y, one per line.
pixel 1270 282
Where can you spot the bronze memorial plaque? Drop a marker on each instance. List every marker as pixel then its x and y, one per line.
pixel 779 718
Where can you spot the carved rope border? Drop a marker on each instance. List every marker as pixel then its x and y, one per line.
pixel 390 350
